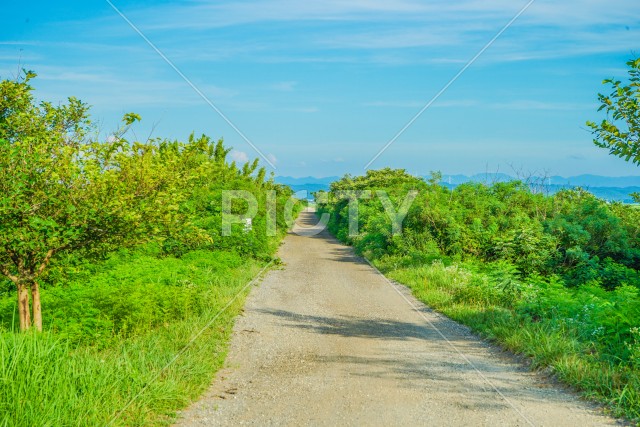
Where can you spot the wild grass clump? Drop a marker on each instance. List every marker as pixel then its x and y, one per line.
pixel 83 371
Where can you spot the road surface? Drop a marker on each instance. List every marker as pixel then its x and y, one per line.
pixel 327 340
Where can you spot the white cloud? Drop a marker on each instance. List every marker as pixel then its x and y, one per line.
pixel 303 109
pixel 395 104
pixel 288 86
pixel 113 89
pixel 239 156
pixel 204 14
pixel 524 104
pixel 272 158
pixel 460 103
pixel 518 104
pixel 393 32
pixel 18 43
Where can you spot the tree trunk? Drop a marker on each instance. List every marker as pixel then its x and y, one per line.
pixel 35 305
pixel 23 307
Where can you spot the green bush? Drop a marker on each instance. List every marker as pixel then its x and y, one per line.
pixel 552 277
pixel 122 243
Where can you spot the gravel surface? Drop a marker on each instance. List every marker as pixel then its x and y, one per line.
pixel 327 340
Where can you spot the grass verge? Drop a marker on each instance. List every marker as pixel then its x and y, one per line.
pixel 64 377
pixel 569 342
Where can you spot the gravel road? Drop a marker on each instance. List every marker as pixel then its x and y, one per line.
pixel 327 340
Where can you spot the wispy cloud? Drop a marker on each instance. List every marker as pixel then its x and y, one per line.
pixel 518 104
pixel 287 86
pixel 524 104
pixel 109 88
pixel 307 110
pixel 19 43
pixel 394 104
pixel 398 24
pixel 420 104
pixel 371 31
pixel 207 15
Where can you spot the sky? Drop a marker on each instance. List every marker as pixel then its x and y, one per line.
pixel 320 87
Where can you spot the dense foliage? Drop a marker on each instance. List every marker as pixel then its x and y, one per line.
pixel 510 261
pixel 119 331
pixel 619 132
pixel 572 234
pixel 62 192
pixel 121 244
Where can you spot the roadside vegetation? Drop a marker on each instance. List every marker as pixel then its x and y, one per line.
pixel 113 260
pixel 552 277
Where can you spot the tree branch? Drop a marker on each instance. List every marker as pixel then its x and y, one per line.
pixel 44 263
pixel 5 271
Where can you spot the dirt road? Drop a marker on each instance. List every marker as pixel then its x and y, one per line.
pixel 329 341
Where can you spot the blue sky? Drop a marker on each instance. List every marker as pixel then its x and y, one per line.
pixel 321 86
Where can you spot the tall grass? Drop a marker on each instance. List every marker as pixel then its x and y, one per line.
pixel 83 372
pixel 587 337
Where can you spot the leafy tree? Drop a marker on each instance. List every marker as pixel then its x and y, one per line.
pixel 619 132
pixel 60 192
